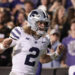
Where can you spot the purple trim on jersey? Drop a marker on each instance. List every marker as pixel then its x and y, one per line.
pixel 18 31
pixel 74 73
pixel 39 69
pixel 69 44
pixel 14 35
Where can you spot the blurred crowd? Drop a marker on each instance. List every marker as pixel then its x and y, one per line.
pixel 62 26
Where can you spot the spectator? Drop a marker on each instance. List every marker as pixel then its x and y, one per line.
pixel 14 12
pixel 20 18
pixel 66 26
pixel 68 3
pixel 1 14
pixel 16 9
pixel 4 3
pixel 44 5
pixel 21 1
pixel 3 32
pixel 59 19
pixel 71 13
pixel 54 40
pixel 73 3
pixel 52 8
pixel 17 2
pixel 5 58
pixel 4 15
pixel 36 3
pixel 52 1
pixel 29 6
pixel 69 43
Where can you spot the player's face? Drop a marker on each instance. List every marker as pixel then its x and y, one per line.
pixel 42 25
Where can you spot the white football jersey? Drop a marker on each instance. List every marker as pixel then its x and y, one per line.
pixel 71 70
pixel 27 53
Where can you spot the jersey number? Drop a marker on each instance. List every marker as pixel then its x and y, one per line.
pixel 27 61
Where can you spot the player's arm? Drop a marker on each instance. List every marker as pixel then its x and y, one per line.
pixel 45 58
pixel 8 42
pixel 11 41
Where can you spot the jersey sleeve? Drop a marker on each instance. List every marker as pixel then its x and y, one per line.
pixel 15 33
pixel 13 43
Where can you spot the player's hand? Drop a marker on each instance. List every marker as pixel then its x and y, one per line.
pixel 60 49
pixel 6 43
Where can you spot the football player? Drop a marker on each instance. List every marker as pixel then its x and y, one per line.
pixel 30 43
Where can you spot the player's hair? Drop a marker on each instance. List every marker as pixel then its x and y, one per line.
pixel 29 30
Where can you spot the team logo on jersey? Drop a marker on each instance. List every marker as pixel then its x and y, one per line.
pixel 71 48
